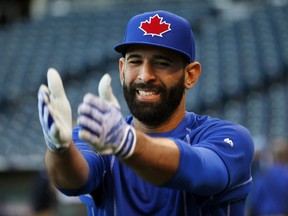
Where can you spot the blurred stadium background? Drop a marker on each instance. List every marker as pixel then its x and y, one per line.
pixel 242 46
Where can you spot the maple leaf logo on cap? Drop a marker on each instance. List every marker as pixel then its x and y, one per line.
pixel 155 26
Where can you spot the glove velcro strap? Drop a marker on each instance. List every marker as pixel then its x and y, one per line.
pixel 54 147
pixel 127 146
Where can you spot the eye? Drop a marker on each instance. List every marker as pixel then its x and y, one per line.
pixel 162 63
pixel 135 61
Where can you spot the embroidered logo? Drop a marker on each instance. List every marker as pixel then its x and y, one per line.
pixel 155 26
pixel 230 142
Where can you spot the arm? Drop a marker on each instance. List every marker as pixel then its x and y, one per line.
pixel 67 169
pixel 162 161
pixel 154 159
pixel 65 164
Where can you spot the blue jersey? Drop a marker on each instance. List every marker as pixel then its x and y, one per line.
pixel 114 189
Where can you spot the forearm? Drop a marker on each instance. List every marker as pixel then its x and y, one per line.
pixel 67 169
pixel 154 159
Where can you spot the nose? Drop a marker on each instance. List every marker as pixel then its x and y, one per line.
pixel 146 73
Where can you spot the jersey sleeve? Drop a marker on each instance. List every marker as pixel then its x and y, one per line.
pixel 217 160
pixel 234 145
pixel 201 171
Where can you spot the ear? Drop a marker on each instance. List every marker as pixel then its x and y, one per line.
pixel 121 69
pixel 192 73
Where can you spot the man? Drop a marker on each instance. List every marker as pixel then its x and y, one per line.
pixel 161 160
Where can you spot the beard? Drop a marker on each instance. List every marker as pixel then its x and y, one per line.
pixel 154 113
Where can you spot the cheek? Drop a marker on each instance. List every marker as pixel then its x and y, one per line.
pixel 128 76
pixel 174 79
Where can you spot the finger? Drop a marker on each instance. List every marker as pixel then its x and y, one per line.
pixel 96 102
pixel 55 83
pixel 48 117
pixel 91 112
pixel 45 117
pixel 43 94
pixel 41 104
pixel 90 138
pixel 104 87
pixel 55 124
pixel 105 90
pixel 89 124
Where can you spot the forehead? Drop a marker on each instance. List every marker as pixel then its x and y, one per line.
pixel 148 50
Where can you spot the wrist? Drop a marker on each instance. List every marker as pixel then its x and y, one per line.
pixel 56 147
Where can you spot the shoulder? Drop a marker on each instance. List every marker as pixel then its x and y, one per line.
pixel 210 125
pixel 217 133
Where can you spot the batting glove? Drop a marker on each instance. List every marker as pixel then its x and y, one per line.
pixel 102 124
pixel 106 94
pixel 55 113
pixel 105 91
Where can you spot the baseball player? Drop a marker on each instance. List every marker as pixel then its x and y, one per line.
pixel 161 160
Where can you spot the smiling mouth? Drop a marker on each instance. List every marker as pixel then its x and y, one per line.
pixel 148 94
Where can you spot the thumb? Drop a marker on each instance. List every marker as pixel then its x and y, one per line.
pixel 105 90
pixel 55 83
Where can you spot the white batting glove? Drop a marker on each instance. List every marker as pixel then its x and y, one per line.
pixel 106 94
pixel 55 113
pixel 105 91
pixel 102 124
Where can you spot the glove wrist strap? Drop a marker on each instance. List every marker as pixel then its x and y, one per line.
pixel 127 146
pixel 54 147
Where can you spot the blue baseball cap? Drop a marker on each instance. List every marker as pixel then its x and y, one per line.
pixel 162 29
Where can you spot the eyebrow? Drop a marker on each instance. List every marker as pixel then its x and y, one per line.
pixel 161 57
pixel 129 56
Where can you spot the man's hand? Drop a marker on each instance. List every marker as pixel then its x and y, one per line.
pixel 105 91
pixel 55 113
pixel 102 124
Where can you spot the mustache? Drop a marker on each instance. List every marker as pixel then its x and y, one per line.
pixel 134 86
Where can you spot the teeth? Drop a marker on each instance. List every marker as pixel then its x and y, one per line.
pixel 145 93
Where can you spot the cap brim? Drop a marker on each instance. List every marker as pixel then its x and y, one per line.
pixel 122 47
